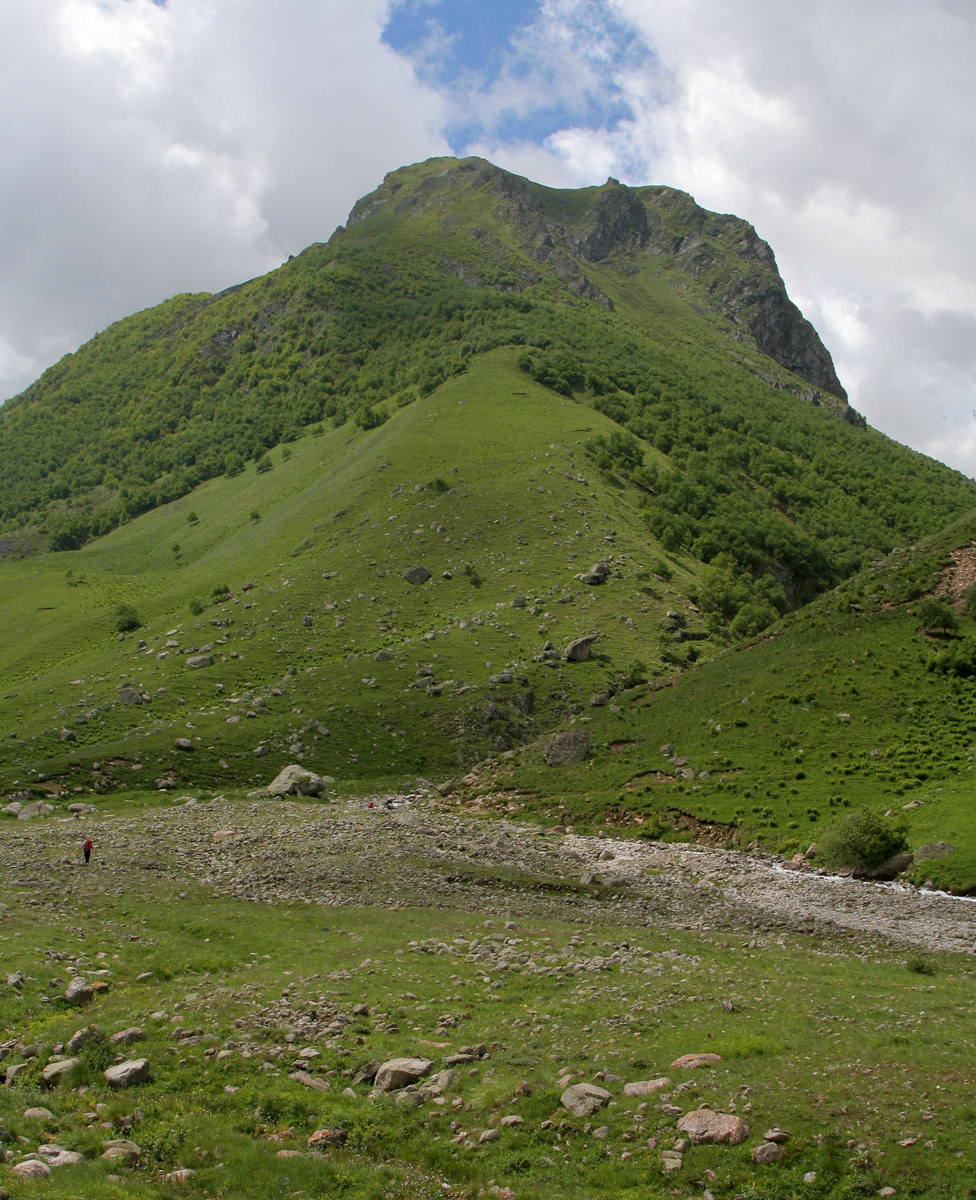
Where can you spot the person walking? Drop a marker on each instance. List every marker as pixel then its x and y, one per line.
pixel 87 848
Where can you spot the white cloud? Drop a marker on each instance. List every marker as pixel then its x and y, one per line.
pixel 844 133
pixel 146 150
pixel 150 150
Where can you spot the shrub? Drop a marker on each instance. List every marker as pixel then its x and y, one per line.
pixel 861 840
pixel 126 618
pixel 197 606
pixel 936 614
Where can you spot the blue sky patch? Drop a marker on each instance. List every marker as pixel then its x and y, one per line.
pixel 518 70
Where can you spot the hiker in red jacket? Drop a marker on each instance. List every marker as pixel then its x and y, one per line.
pixel 87 848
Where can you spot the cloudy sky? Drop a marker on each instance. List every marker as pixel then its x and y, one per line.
pixel 156 146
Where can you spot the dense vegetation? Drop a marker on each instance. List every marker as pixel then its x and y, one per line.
pixel 739 464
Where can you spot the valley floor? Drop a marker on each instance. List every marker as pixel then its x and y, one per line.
pixel 262 958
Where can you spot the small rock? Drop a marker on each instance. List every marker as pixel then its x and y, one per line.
pixel 768 1152
pixel 79 991
pixel 645 1087
pixel 692 1062
pixel 327 1137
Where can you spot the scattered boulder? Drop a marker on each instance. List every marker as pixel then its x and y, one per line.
pixel 767 1152
pixel 583 1099
pixel 32 1168
pixel 122 1151
pixel 705 1127
pixel 125 1074
pixel 79 991
pixel 399 1072
pixel 296 780
pixel 566 749
pixel 57 1156
pixel 645 1087
pixel 417 575
pixel 54 1071
pixel 579 649
pixel 327 1137
pixel 934 850
pixel 87 1033
pixel 130 695
pixel 125 1037
pixel 692 1062
pixel 197 661
pixel 183 744
pixel 597 574
pixel 38 1114
pixel 38 809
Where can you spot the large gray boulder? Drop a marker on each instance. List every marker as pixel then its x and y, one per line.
pixel 79 991
pixel 400 1072
pixel 566 749
pixel 53 1072
pixel 417 575
pixel 579 649
pixel 295 780
pixel 37 809
pixel 583 1099
pixel 198 661
pixel 125 1074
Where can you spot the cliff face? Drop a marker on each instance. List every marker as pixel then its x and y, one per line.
pixel 715 258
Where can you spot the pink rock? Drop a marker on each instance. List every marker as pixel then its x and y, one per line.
pixel 705 1126
pixel 692 1061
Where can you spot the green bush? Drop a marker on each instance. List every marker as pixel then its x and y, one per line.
pixel 197 606
pixel 936 614
pixel 861 840
pixel 126 618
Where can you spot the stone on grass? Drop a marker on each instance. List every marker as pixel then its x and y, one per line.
pixel 768 1152
pixel 79 991
pixel 583 1099
pixel 295 780
pixel 488 1135
pixel 32 1168
pixel 198 661
pixel 327 1137
pixel 692 1062
pixel 53 1072
pixel 644 1087
pixel 80 1037
pixel 125 1074
pixel 38 1114
pixel 122 1151
pixel 705 1127
pixel 125 1037
pixel 417 575
pixel 399 1072
pixel 566 749
pixel 180 1175
pixel 57 1156
pixel 579 649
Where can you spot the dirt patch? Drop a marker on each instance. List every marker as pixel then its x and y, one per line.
pixel 959 575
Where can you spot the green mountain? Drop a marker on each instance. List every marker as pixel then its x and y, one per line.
pixel 381 490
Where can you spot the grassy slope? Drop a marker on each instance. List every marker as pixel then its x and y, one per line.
pixel 342 520
pixel 360 509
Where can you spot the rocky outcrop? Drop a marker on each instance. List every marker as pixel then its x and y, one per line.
pixel 566 749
